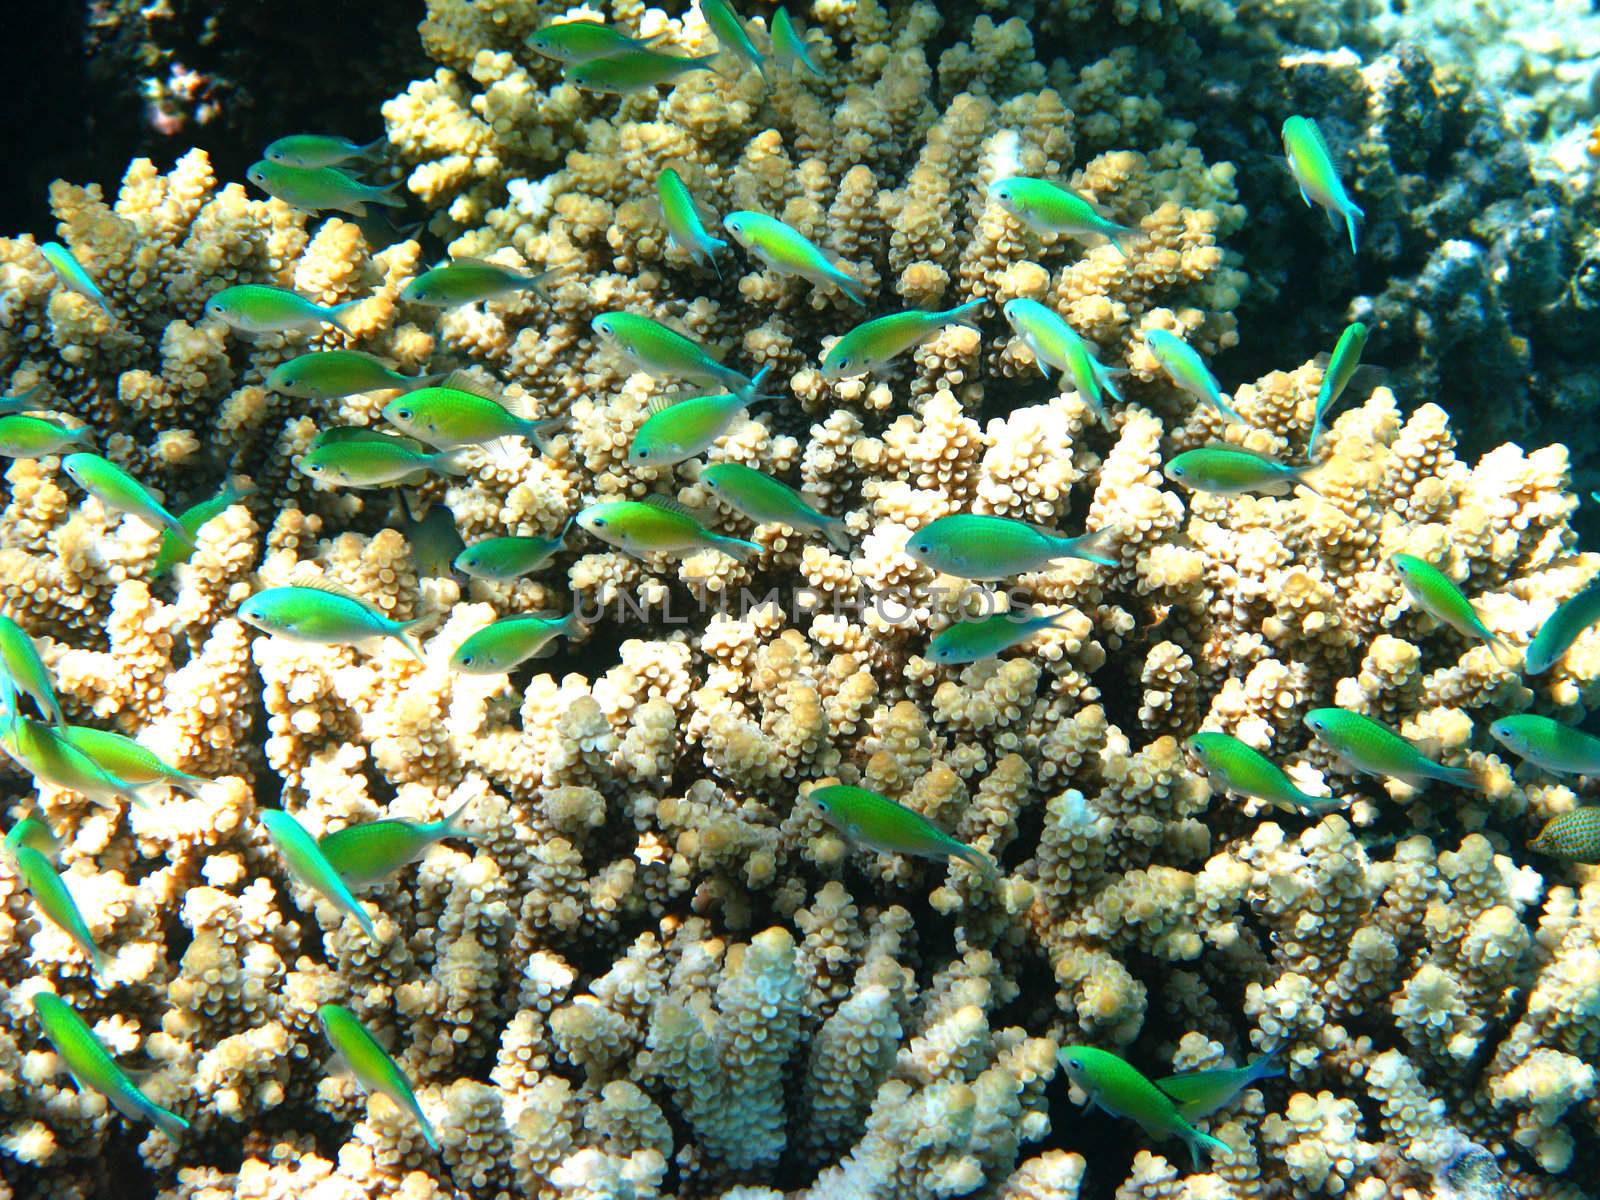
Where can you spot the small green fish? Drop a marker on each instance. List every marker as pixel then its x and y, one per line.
pixel 376 462
pixel 732 35
pixel 970 641
pixel 1230 471
pixel 49 892
pixel 36 437
pixel 789 252
pixel 24 402
pixel 129 761
pixel 257 308
pixel 471 280
pixel 175 550
pixel 332 374
pixel 878 823
pixel 1317 176
pixel 1185 368
pixel 45 754
pixel 72 275
pixel 576 42
pixel 1549 744
pixel 323 615
pixel 434 540
pixel 1122 1090
pixel 971 546
pixel 685 220
pixel 666 353
pixel 502 559
pixel 322 189
pixel 511 641
pixel 771 501
pixel 1235 767
pixel 1336 377
pixel 371 1064
pixel 311 867
pixel 1573 835
pixel 657 524
pixel 633 71
pixel 374 850
pixel 1434 593
pixel 1373 749
pixel 318 150
pixel 120 492
pixel 94 1070
pixel 21 665
pixel 34 834
pixel 873 344
pixel 1561 629
pixel 680 429
pixel 452 417
pixel 1045 207
pixel 789 45
pixel 1056 344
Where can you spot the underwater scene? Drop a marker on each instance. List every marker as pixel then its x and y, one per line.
pixel 845 600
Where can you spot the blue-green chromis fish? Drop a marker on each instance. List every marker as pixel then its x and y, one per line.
pixel 1434 593
pixel 1198 1094
pixel 36 437
pixel 1549 744
pixel 667 354
pixel 1336 377
pixel 120 492
pixel 680 429
pixel 318 150
pixel 1187 369
pixel 175 549
pixel 511 641
pixel 1229 471
pixel 22 666
pixel 471 280
pixel 34 834
pixel 45 754
pixel 129 761
pixel 874 344
pixel 1123 1091
pixel 1574 836
pixel 72 275
pixel 878 823
pixel 322 189
pixel 49 892
pixel 685 220
pixel 1056 344
pixel 24 402
pixel 1367 746
pixel 323 615
pixel 1045 207
pixel 583 41
pixel 970 641
pixel 435 542
pixel 311 867
pixel 732 35
pixel 657 524
pixel 972 546
pixel 1317 176
pixel 93 1068
pixel 332 374
pixel 1236 767
pixel 373 850
pixel 257 308
pixel 1561 629
pixel 771 501
pixel 502 559
pixel 376 462
pixel 460 415
pixel 633 71
pixel 789 44
pixel 789 252
pixel 371 1064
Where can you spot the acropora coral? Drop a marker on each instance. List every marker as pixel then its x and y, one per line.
pixel 655 970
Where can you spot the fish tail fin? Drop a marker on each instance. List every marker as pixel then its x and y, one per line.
pixel 1316 436
pixel 1319 806
pixel 735 547
pixel 961 314
pixel 1462 777
pixel 403 634
pixel 1302 476
pixel 449 462
pixel 451 826
pixel 1107 377
pixel 57 718
pixel 976 859
pixel 837 534
pixel 1268 1066
pixel 390 196
pixel 1212 1145
pixel 372 147
pixel 1353 216
pixel 428 1134
pixel 170 1123
pixel 1227 410
pixel 1504 652
pixel 97 957
pixel 1115 234
pixel 192 784
pixel 851 287
pixel 1090 546
pixel 359 912
pixel 335 316
pixel 752 392
pixel 539 432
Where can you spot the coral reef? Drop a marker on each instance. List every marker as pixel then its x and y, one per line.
pixel 656 971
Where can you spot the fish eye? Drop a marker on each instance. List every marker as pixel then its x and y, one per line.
pixel 314 468
pixel 599 522
pixel 403 413
pixel 1317 723
pixel 921 547
pixel 643 452
pixel 1074 1064
pixel 468 659
pixel 1177 471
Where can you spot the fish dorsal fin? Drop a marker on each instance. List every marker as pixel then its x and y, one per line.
pixel 474 261
pixel 362 433
pixel 660 402
pixel 461 381
pixel 305 575
pixel 1314 132
pixel 668 504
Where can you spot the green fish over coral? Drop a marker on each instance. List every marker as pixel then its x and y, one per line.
pixel 878 823
pixel 373 850
pixel 94 1070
